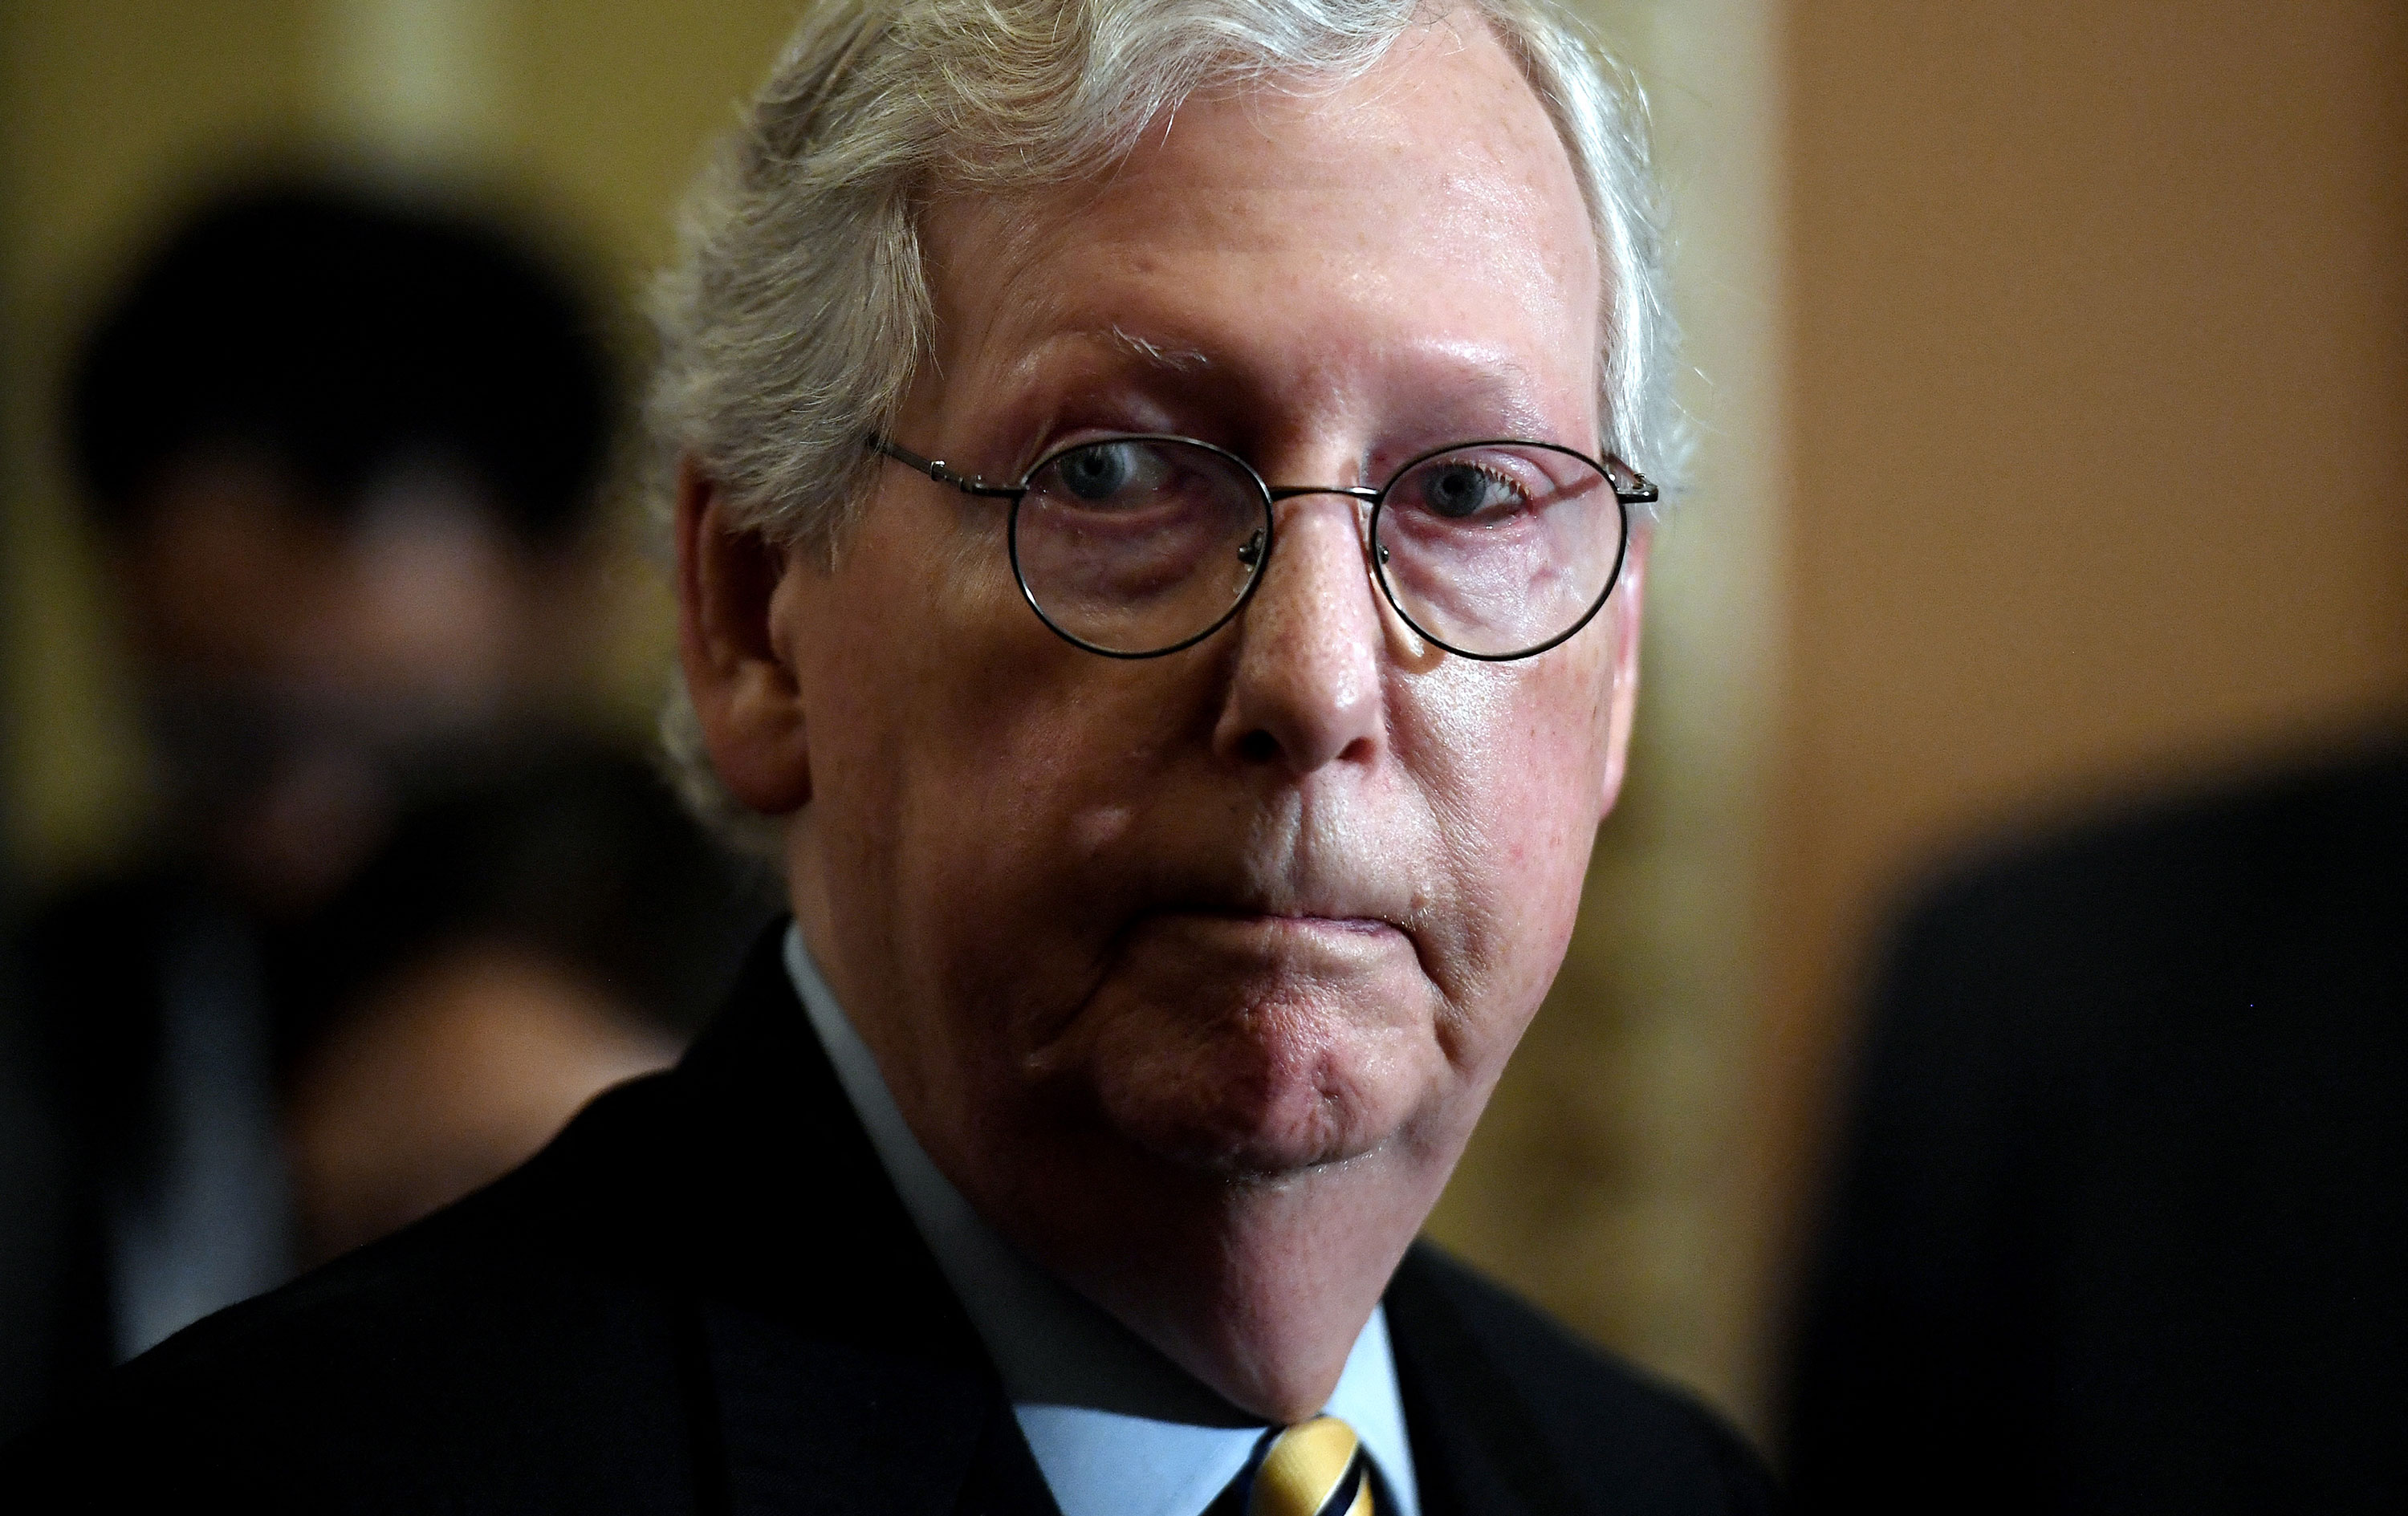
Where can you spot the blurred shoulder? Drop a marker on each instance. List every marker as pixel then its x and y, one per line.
pixel 2183 868
pixel 518 1345
pixel 1497 1392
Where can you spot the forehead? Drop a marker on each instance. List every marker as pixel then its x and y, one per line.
pixel 1421 222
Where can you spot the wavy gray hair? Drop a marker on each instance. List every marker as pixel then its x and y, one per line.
pixel 797 311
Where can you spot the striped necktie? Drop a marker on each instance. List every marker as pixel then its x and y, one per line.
pixel 1312 1468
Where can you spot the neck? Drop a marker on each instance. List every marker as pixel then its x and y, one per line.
pixel 1259 1287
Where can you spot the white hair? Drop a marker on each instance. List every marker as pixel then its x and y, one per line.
pixel 797 311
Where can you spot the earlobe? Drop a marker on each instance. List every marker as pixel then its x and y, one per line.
pixel 745 694
pixel 1622 696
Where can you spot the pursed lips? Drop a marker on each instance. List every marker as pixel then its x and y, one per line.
pixel 1329 934
pixel 1202 938
pixel 1285 920
pixel 1335 905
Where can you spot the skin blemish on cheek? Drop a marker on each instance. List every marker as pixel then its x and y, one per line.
pixel 1094 831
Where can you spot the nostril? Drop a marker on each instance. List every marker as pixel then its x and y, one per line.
pixel 1258 747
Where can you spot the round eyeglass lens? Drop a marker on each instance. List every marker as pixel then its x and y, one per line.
pixel 1139 545
pixel 1498 549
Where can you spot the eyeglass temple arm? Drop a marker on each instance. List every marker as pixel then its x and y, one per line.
pixel 1641 491
pixel 935 468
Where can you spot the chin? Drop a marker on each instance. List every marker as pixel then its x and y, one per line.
pixel 1260 1093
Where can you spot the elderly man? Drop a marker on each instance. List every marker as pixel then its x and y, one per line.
pixel 1157 512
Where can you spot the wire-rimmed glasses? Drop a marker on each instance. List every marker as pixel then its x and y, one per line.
pixel 1142 544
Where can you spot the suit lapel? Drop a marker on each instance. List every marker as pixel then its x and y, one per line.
pixel 885 1432
pixel 838 1373
pixel 1475 1450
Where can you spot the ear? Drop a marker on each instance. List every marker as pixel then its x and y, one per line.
pixel 1622 699
pixel 744 691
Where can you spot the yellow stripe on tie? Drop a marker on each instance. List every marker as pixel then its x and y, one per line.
pixel 1308 1470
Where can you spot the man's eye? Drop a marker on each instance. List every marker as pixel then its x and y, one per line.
pixel 1460 491
pixel 1096 474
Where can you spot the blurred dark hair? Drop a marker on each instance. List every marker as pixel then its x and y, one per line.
pixel 579 854
pixel 342 335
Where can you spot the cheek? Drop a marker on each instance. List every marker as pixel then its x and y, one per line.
pixel 911 653
pixel 1512 759
pixel 977 775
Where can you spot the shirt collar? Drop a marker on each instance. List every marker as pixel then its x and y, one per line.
pixel 1117 1428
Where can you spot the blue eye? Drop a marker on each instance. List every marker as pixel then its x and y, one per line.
pixel 1457 491
pixel 1098 473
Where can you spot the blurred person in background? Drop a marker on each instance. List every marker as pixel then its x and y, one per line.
pixel 2121 1217
pixel 519 943
pixel 343 454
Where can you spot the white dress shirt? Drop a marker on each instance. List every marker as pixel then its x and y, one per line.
pixel 1117 1428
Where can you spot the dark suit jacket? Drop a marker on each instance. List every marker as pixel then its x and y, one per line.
pixel 2121 1223
pixel 706 1297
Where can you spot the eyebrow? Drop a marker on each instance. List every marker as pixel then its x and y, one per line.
pixel 1488 391
pixel 1153 354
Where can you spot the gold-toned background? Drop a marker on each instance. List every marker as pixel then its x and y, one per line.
pixel 2051 361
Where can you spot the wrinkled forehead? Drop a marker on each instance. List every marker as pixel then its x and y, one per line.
pixel 1426 204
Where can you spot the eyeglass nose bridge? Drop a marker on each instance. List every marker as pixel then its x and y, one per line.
pixel 1257 547
pixel 1362 494
pixel 1254 552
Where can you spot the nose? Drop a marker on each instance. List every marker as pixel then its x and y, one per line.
pixel 1306 691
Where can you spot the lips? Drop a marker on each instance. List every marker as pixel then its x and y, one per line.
pixel 1331 920
pixel 1231 961
pixel 1316 865
pixel 1334 943
pixel 1296 915
pixel 1353 905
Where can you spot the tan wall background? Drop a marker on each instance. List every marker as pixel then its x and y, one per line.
pixel 2100 385
pixel 2051 368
